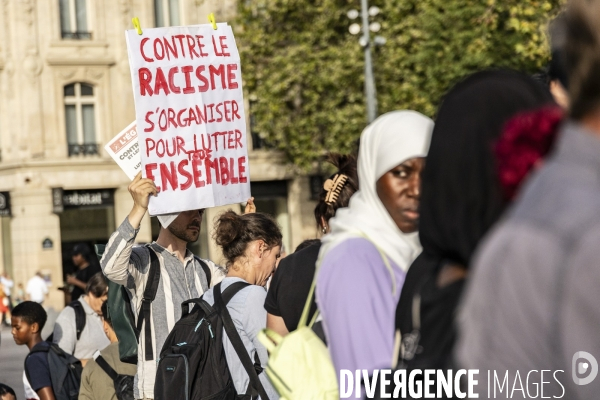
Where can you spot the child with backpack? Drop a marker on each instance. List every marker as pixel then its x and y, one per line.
pixel 106 377
pixel 213 351
pixel 49 373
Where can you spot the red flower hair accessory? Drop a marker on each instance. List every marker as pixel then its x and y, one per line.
pixel 526 139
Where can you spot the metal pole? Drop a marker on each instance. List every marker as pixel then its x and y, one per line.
pixel 369 80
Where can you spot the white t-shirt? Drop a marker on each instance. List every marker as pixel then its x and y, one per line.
pixel 7 283
pixel 29 392
pixel 37 289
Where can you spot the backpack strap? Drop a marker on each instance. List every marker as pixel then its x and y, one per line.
pixel 80 320
pixel 107 368
pixel 80 317
pixel 206 270
pixel 221 301
pixel 149 295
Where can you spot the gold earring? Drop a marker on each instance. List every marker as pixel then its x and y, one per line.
pixel 324 230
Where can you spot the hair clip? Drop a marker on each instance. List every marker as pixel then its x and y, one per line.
pixel 334 187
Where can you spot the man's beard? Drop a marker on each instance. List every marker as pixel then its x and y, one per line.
pixel 183 234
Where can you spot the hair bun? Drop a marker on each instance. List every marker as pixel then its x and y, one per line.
pixel 229 228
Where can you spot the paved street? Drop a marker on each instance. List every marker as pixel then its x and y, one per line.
pixel 12 356
pixel 11 363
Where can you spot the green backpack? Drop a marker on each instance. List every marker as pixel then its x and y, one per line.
pixel 121 314
pixel 299 366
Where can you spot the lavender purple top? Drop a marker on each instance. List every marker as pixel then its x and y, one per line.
pixel 354 295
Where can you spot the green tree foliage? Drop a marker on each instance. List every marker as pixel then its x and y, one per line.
pixel 304 74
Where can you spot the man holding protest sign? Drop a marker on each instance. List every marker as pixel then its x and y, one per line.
pixel 191 133
pixel 182 276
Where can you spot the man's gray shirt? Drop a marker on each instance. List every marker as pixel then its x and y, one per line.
pixel 127 265
pixel 533 300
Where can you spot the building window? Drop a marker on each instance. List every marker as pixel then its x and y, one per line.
pixel 80 119
pixel 73 19
pixel 166 13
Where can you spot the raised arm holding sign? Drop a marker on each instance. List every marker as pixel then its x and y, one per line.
pixel 190 116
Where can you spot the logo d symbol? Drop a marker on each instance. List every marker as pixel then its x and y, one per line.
pixel 582 367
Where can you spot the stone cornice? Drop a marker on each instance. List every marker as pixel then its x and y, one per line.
pixel 68 61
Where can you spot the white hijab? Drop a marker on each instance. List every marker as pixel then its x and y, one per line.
pixel 387 142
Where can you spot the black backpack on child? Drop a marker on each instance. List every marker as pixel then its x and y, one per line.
pixel 192 364
pixel 123 383
pixel 121 310
pixel 65 372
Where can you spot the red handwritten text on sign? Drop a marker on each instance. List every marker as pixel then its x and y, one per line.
pixel 190 114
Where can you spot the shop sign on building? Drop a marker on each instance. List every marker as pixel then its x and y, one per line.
pixel 98 198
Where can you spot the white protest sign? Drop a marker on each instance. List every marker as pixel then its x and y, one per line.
pixel 189 105
pixel 124 149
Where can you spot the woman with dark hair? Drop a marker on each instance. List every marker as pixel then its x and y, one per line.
pixel 462 197
pixel 251 244
pixel 292 279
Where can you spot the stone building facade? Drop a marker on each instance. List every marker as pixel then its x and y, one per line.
pixel 65 90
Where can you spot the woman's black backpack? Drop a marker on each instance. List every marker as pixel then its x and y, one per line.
pixel 192 364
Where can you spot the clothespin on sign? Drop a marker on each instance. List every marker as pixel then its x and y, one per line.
pixel 211 19
pixel 136 25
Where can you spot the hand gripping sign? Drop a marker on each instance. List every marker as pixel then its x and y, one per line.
pixel 191 125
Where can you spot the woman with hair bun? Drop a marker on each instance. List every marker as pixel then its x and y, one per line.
pixel 251 244
pixel 291 282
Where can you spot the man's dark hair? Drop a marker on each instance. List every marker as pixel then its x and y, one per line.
pixel 582 56
pixel 5 389
pixel 105 314
pixel 31 312
pixel 97 285
pixel 84 250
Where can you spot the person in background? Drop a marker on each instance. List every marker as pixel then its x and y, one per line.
pixel 28 320
pixel 251 244
pixel 7 393
pixel 292 280
pixel 4 310
pixel 182 275
pixel 8 285
pixel 557 74
pixel 461 198
pixel 87 266
pixel 92 336
pixel 95 382
pixel 20 295
pixel 532 302
pixel 363 261
pixel 37 289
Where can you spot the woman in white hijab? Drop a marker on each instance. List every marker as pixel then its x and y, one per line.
pixel 363 261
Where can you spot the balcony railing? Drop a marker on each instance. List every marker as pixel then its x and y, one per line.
pixel 86 149
pixel 77 35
